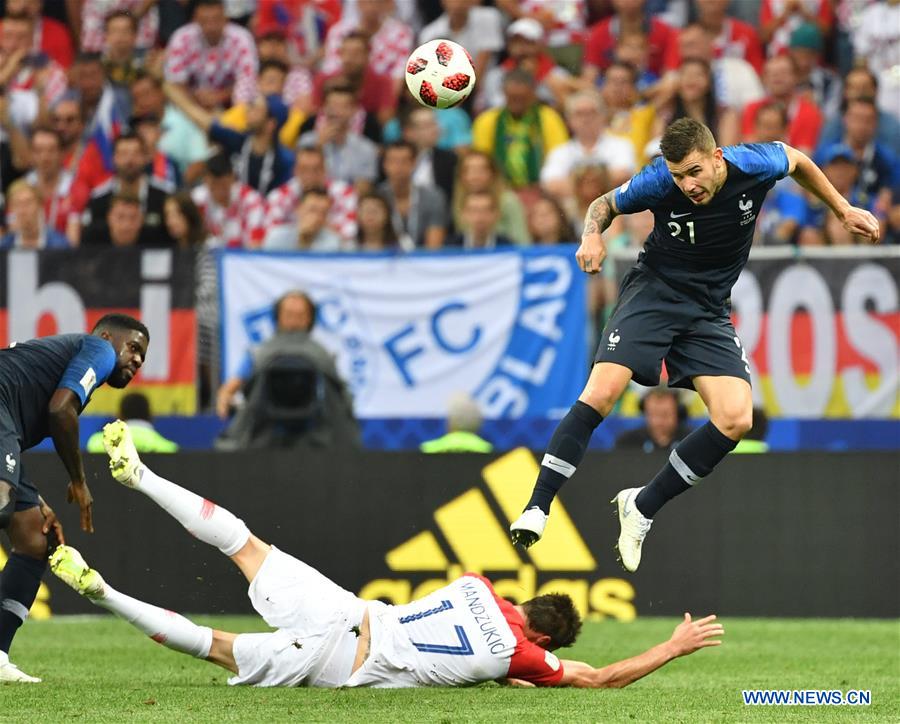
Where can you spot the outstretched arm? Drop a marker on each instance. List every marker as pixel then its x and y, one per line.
pixel 600 213
pixel 180 97
pixel 689 636
pixel 809 176
pixel 63 422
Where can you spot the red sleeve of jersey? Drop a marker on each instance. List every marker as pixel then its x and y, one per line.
pixel 532 663
pixel 597 45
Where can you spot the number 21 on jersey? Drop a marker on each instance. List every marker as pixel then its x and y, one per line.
pixel 675 228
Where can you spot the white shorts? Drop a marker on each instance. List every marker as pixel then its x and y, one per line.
pixel 315 644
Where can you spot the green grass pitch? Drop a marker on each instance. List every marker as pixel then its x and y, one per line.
pixel 101 670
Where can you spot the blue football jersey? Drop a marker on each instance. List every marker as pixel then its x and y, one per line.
pixel 30 372
pixel 702 249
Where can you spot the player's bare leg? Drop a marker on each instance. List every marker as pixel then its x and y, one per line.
pixel 730 404
pixel 604 387
pixel 20 581
pixel 165 627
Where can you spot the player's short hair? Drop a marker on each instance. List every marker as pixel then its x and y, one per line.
pixel 555 615
pixel 120 322
pixel 683 136
pixel 135 406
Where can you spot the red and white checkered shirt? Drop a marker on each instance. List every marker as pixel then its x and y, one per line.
pixel 282 203
pixel 93 17
pixel 64 205
pixel 240 224
pixel 191 61
pixel 570 19
pixel 55 85
pixel 299 83
pixel 390 47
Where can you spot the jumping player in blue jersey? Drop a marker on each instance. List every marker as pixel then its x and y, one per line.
pixel 44 385
pixel 674 305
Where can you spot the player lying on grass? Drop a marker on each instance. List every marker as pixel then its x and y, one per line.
pixel 461 634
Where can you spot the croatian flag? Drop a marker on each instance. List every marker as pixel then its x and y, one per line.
pixel 108 123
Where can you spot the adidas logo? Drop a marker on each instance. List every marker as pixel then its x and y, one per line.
pixel 469 536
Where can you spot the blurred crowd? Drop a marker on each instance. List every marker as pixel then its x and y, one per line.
pixel 285 124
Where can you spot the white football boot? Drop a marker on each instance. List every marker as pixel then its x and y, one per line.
pixel 529 527
pixel 633 527
pixel 11 674
pixel 124 462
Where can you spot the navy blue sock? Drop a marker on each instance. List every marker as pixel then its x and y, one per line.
pixel 19 585
pixel 692 460
pixel 564 453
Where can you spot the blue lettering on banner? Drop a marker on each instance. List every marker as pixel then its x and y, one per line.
pixel 544 365
pixel 401 357
pixel 439 337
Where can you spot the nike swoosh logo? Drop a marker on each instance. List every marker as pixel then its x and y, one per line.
pixel 626 511
pixel 678 216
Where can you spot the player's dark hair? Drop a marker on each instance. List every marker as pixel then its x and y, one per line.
pixel 135 406
pixel 684 136
pixel 219 165
pixel 120 14
pixel 121 322
pixel 555 615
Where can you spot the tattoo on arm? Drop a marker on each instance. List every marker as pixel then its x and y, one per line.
pixel 599 215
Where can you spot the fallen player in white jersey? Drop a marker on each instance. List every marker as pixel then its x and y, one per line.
pixel 462 634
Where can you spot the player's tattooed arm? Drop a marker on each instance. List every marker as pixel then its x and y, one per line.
pixel 592 252
pixel 600 213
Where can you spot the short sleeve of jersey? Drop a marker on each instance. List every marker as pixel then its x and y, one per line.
pixel 767 161
pixel 89 368
pixel 532 663
pixel 646 189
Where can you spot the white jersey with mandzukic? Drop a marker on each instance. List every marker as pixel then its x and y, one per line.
pixel 456 636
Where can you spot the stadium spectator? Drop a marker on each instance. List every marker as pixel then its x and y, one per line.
pixel 309 172
pixel 160 166
pixel 134 409
pixel 349 156
pixel 100 103
pixel 520 134
pixel 629 17
pixel 130 178
pixel 49 36
pixel 261 162
pixel 62 203
pixel 120 60
pixel 732 38
pixel 301 24
pixel 628 117
pixel 820 84
pixel 32 80
pixel 308 382
pixel 736 82
pixel 892 221
pixel 862 83
pixel 590 144
pixel 665 423
pixel 391 40
pixel 95 12
pixel 477 171
pixel 779 18
pixel 879 168
pixel 184 221
pixel 67 120
pixel 376 93
pixel 14 152
pixel 780 81
pixel 877 39
pixel 696 98
pixel 234 213
pixel 418 212
pixel 310 231
pixel 434 166
pixel 375 230
pixel 27 229
pixel 123 225
pixel 454 123
pixel 548 223
pixel 464 421
pixel 213 60
pixel 182 140
pixel 272 45
pixel 477 29
pixel 634 49
pixel 589 181
pixel 481 217
pixel 526 52
pixel 564 22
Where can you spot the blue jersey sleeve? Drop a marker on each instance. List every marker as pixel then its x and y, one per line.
pixel 89 368
pixel 229 139
pixel 646 189
pixel 767 161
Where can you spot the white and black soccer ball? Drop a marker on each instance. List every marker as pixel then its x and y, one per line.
pixel 440 74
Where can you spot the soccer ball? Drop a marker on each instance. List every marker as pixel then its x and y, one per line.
pixel 440 74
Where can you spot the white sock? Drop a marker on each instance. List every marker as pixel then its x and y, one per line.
pixel 202 518
pixel 165 627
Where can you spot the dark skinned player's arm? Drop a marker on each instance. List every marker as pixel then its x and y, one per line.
pixel 63 423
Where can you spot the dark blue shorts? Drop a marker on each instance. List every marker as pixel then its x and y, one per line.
pixel 653 322
pixel 11 464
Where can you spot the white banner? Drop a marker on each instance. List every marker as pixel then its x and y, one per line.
pixel 408 332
